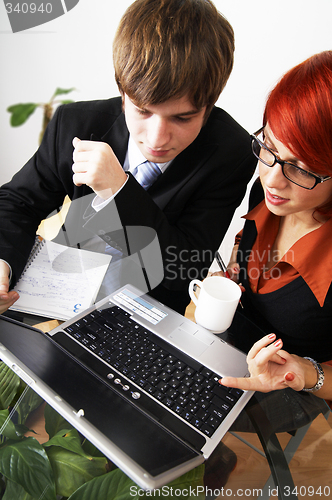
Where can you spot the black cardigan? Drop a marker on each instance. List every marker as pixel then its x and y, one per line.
pixel 292 312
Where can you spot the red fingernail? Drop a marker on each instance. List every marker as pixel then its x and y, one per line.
pixel 271 336
pixel 277 343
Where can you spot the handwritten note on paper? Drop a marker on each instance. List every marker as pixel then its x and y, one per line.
pixel 59 282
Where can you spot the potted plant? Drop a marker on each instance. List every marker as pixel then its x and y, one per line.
pixel 22 111
pixel 66 466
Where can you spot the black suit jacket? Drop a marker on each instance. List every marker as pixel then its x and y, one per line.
pixel 190 206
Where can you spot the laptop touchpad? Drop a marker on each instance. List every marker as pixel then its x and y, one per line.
pixel 187 341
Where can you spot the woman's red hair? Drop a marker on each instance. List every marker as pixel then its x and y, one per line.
pixel 299 113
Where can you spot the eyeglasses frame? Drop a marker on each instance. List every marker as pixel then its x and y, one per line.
pixel 318 179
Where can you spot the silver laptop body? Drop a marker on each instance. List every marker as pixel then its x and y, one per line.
pixel 152 442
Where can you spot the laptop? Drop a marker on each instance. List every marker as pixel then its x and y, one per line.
pixel 137 379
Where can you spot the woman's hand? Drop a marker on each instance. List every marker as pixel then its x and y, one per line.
pixel 272 368
pixel 233 269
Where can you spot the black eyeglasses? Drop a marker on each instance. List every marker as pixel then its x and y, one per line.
pixel 293 173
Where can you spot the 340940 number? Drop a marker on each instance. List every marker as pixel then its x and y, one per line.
pixel 29 8
pixel 301 491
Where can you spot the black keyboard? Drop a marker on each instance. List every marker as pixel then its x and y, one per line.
pixel 155 367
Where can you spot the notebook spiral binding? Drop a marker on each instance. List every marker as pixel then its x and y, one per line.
pixel 37 246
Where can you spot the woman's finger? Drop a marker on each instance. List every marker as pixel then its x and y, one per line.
pixel 246 384
pixel 258 346
pixel 269 353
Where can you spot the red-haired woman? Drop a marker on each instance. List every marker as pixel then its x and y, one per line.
pixel 284 258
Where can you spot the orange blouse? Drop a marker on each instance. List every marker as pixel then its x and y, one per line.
pixel 310 256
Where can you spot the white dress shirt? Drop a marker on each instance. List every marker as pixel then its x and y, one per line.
pixel 134 157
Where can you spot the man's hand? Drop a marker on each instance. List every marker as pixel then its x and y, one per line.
pixel 96 165
pixel 7 298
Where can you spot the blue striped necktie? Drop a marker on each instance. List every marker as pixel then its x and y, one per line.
pixel 146 173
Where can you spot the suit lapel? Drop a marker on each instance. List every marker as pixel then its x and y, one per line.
pixel 182 169
pixel 117 137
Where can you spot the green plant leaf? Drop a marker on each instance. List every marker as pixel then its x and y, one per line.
pixel 26 463
pixel 192 479
pixel 66 101
pixel 72 470
pixel 91 449
pixel 21 430
pixel 21 112
pixel 19 393
pixel 60 91
pixel 15 491
pixel 9 384
pixel 117 486
pixel 2 486
pixel 29 402
pixel 54 422
pixel 8 428
pixel 112 486
pixel 69 440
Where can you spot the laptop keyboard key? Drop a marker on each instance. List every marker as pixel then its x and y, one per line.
pixel 207 430
pixel 180 383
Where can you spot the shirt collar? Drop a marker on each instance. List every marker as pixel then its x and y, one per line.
pixel 311 255
pixel 134 158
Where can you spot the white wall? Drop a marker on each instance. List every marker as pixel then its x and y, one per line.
pixel 75 51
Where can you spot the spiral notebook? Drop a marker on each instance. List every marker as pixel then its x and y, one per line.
pixel 59 282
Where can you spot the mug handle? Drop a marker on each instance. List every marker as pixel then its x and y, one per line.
pixel 191 290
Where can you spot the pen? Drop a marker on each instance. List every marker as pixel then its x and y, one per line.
pixel 222 266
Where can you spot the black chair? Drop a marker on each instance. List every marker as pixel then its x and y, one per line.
pixel 278 459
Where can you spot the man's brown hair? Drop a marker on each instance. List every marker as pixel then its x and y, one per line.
pixel 166 49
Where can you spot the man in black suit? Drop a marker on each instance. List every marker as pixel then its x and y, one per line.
pixel 172 59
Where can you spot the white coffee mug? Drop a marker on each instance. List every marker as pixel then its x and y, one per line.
pixel 216 303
